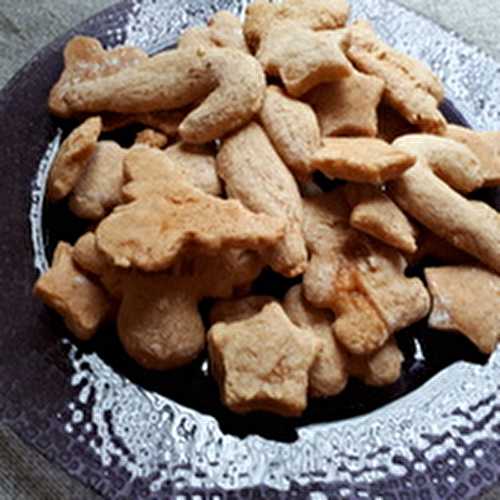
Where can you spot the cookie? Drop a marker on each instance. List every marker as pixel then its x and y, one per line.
pixel 169 80
pixel 255 174
pixel 470 226
pixel 486 150
pixel 466 299
pixel 262 363
pixel 159 324
pixel 151 138
pixel 450 160
pixel 410 86
pixel 361 160
pixel 237 98
pixel 303 58
pixel 374 213
pixel 328 375
pixel 99 188
pixel 169 214
pixel 86 60
pixel 64 288
pixel 262 15
pixel 348 107
pixel 72 159
pixel 196 163
pixel 229 83
pixel 293 129
pixel 224 30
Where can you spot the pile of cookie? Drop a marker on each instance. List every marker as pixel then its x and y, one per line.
pixel 219 185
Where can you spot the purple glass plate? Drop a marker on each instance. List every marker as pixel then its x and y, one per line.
pixel 132 434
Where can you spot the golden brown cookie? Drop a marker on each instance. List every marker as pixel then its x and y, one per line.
pixel 262 363
pixel 224 30
pixel 99 188
pixel 88 257
pixel 151 138
pixel 471 226
pixel 143 163
pixel 86 60
pixel 254 174
pixel 360 279
pixel 410 86
pixel 326 223
pixel 293 129
pixel 486 150
pixel 72 159
pixel 466 299
pixel 303 58
pixel 381 368
pixel 239 93
pixel 261 15
pixel 197 164
pixel 328 375
pixel 159 323
pixel 169 215
pixel 83 304
pixel 450 160
pixel 233 81
pixel 374 213
pixel 361 160
pixel 348 107
pixel 169 80
pixel 192 163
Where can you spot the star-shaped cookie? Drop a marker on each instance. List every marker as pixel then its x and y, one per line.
pixel 304 58
pixel 348 106
pixel 262 363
